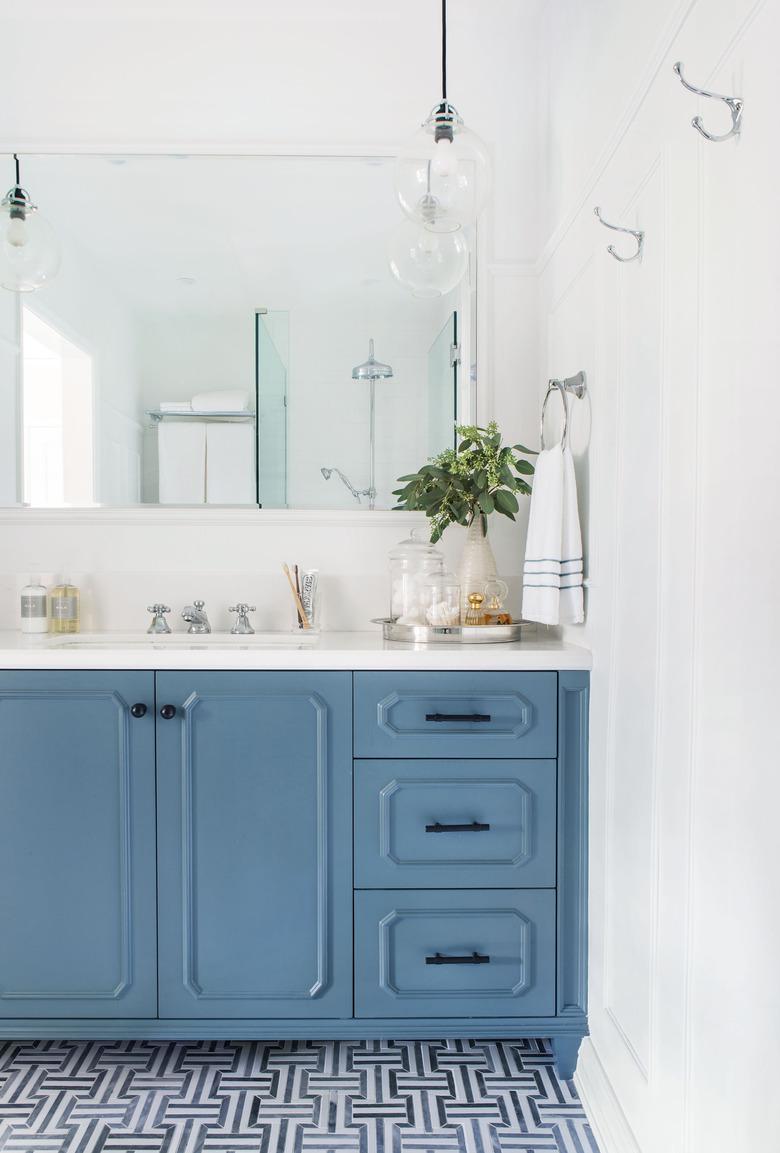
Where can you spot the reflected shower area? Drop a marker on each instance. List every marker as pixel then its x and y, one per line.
pixel 330 435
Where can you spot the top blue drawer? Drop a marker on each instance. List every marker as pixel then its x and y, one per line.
pixel 456 714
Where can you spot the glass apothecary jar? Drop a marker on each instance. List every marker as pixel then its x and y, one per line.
pixel 440 598
pixel 410 562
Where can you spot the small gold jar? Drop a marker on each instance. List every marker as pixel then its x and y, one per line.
pixel 474 613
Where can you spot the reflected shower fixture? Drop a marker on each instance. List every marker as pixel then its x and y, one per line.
pixel 371 370
pixel 29 249
pixel 442 175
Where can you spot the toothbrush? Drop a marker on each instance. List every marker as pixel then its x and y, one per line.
pixel 301 614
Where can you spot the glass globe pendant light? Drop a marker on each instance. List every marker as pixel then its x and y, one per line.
pixel 428 263
pixel 29 249
pixel 442 175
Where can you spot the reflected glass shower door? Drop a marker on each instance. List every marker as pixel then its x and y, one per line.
pixel 443 388
pixel 271 367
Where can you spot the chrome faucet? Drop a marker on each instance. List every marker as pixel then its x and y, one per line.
pixel 195 616
pixel 159 624
pixel 242 626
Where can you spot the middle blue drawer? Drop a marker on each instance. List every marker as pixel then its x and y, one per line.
pixel 455 824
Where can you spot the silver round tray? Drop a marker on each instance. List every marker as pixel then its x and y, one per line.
pixel 456 635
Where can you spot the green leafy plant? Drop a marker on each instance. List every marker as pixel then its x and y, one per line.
pixel 474 480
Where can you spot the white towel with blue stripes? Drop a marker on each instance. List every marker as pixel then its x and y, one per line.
pixel 552 574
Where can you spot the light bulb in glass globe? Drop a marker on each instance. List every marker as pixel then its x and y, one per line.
pixel 29 250
pixel 442 176
pixel 428 263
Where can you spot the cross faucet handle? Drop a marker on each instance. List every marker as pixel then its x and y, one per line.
pixel 159 623
pixel 242 626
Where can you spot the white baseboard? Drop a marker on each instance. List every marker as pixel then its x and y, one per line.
pixel 607 1119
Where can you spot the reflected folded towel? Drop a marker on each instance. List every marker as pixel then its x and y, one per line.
pixel 230 464
pixel 175 406
pixel 181 452
pixel 552 574
pixel 222 400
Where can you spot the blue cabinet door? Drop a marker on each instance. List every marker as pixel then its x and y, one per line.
pixel 77 835
pixel 255 843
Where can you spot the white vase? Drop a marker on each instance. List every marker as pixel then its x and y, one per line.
pixel 477 564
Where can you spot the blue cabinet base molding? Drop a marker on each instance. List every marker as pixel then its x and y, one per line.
pixel 272 855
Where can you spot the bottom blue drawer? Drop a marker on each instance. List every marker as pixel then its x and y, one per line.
pixel 475 952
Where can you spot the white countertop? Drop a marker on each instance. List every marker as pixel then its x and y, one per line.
pixel 336 650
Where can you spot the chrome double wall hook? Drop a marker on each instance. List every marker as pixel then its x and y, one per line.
pixel 638 236
pixel 733 103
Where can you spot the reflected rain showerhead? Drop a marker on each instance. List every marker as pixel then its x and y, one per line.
pixel 372 369
pixel 326 472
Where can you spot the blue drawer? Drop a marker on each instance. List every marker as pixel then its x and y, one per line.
pixel 455 824
pixel 475 952
pixel 456 714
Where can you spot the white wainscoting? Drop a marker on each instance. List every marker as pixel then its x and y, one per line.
pixel 678 488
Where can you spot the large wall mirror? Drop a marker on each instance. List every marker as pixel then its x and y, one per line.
pixel 206 340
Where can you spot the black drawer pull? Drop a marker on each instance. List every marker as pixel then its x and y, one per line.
pixel 168 712
pixel 474 959
pixel 138 711
pixel 474 827
pixel 468 718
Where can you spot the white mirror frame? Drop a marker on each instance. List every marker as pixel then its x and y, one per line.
pixel 474 407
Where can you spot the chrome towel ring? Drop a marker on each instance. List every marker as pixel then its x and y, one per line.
pixel 576 386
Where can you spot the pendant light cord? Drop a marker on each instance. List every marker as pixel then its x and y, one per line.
pixel 444 50
pixel 16 162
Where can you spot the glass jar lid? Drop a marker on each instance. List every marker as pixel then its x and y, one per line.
pixel 416 551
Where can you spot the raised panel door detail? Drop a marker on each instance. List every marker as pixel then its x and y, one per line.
pixel 410 714
pixel 458 824
pixel 77 836
pixel 483 952
pixel 254 792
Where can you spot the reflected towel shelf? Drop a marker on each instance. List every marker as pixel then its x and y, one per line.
pixel 157 415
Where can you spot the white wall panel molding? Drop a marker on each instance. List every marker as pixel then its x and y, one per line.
pixel 608 1120
pixel 718 22
pixel 681 721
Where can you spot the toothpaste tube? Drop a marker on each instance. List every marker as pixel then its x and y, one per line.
pixel 309 579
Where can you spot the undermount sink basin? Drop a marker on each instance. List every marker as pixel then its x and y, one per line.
pixel 208 641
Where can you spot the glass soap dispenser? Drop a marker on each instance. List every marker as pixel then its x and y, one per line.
pixel 64 608
pixel 33 607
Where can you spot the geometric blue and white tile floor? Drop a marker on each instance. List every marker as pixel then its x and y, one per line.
pixel 287 1097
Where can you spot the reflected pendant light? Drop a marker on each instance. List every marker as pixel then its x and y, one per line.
pixel 29 249
pixel 442 175
pixel 428 263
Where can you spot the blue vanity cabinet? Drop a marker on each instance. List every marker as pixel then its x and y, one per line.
pixel 294 854
pixel 255 844
pixel 77 846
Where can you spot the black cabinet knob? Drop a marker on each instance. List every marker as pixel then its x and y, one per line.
pixel 167 712
pixel 138 710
